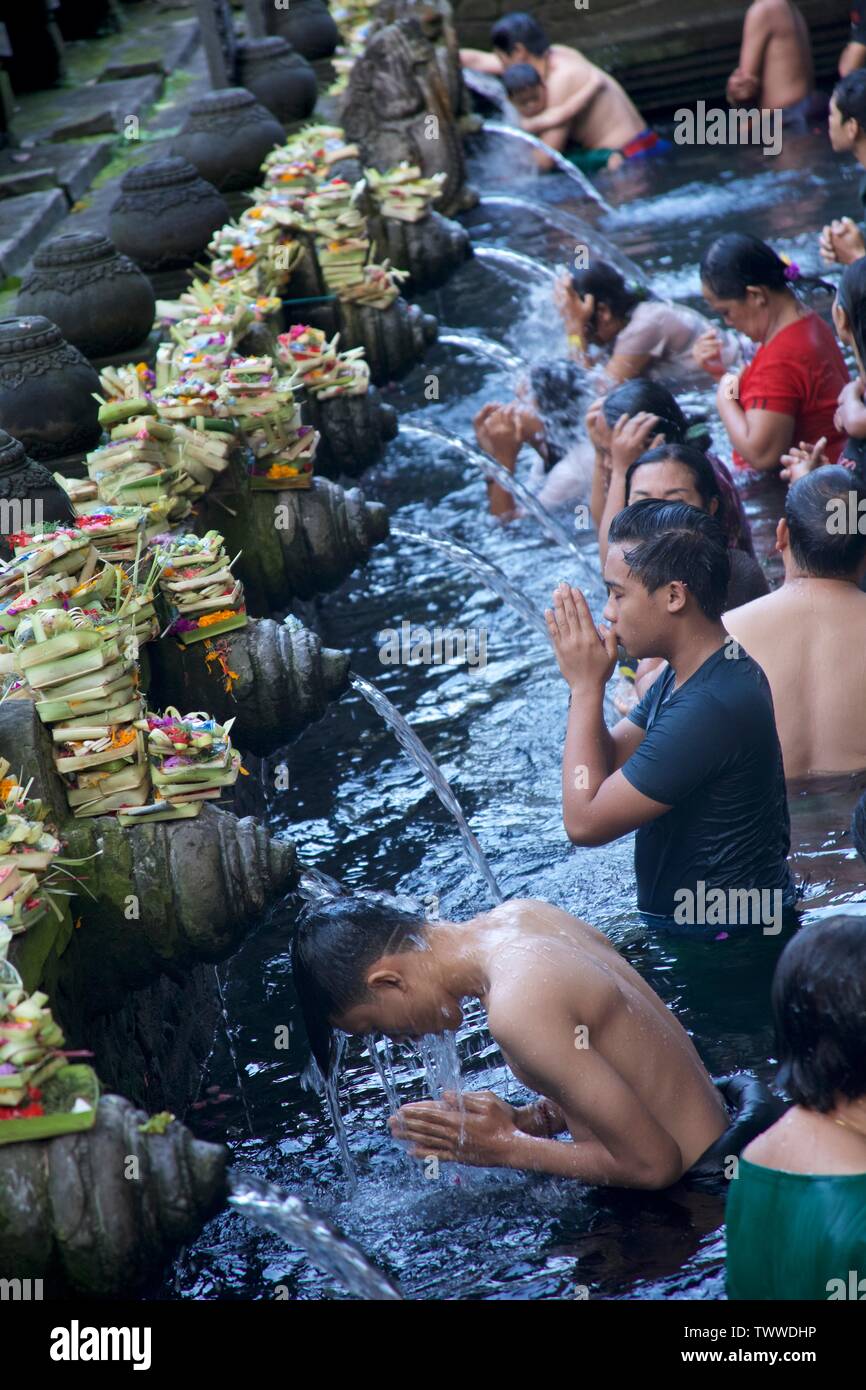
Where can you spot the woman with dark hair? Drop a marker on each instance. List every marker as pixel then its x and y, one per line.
pixel 640 336
pixel 653 417
pixel 802 1183
pixel 790 389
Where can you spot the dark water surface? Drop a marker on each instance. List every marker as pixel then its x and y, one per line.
pixel 359 811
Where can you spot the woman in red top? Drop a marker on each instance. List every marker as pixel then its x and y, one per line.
pixel 789 391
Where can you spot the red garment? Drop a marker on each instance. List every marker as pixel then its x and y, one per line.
pixel 799 372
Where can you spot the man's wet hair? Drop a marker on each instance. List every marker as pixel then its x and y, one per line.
pixel 666 541
pixel 819 1005
pixel 607 286
pixel 638 395
pixel 823 551
pixel 850 97
pixel 520 77
pixel 334 945
pixel 513 29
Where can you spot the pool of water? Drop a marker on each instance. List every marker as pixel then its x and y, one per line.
pixel 360 811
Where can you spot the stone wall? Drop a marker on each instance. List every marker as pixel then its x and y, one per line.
pixel 666 52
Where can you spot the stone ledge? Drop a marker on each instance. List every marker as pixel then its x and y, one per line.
pixel 24 223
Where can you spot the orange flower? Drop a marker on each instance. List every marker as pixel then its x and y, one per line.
pixel 121 737
pixel 218 617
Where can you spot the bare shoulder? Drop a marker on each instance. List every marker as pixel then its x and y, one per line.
pixel 752 617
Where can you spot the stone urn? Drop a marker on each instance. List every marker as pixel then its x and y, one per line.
pixel 278 77
pixel 100 300
pixel 226 136
pixel 46 389
pixel 307 24
pixel 166 215
pixel 28 493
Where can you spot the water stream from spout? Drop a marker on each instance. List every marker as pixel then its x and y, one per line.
pixel 297 1224
pixel 485 570
pixel 484 347
pixel 411 744
pixel 491 469
pixel 588 190
pixel 596 242
pixel 515 260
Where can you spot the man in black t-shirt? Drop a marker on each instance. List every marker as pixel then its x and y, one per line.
pixel 696 769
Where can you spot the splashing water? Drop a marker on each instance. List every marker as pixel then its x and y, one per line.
pixel 384 1065
pixel 411 744
pixel 438 1052
pixel 296 1223
pixel 484 347
pixel 600 245
pixel 512 133
pixel 230 1042
pixel 331 1090
pixel 485 570
pixel 491 469
pixel 515 260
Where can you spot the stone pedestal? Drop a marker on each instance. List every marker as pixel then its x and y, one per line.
pixel 226 135
pixel 46 389
pixel 165 217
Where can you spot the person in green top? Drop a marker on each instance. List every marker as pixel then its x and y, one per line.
pixel 796 1212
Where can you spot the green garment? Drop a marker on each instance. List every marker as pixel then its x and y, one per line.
pixel 588 161
pixel 791 1234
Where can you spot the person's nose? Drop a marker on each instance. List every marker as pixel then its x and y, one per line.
pixel 609 613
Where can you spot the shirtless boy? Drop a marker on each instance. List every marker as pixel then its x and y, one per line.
pixel 576 107
pixel 803 631
pixel 613 1068
pixel 775 69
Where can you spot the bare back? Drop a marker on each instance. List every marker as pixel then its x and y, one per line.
pixel 810 639
pixel 612 120
pixel 551 966
pixel 776 32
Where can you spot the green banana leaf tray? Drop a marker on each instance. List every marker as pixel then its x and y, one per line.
pixel 59 1094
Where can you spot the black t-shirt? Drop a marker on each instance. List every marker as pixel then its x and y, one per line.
pixel 858 26
pixel 711 753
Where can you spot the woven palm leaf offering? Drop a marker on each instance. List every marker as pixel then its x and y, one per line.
pixel 200 595
pixel 191 760
pixel 83 675
pixel 401 191
pixel 282 448
pixel 323 370
pixel 29 855
pixel 41 1094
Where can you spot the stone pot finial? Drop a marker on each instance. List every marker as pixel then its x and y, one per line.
pixel 46 389
pixel 226 135
pixel 278 77
pixel 99 299
pixel 166 214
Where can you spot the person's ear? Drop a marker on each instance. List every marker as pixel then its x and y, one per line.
pixel 758 295
pixel 386 979
pixel 677 595
pixel 841 321
pixel 713 507
pixel 783 538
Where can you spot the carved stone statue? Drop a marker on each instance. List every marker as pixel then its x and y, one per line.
pixel 398 107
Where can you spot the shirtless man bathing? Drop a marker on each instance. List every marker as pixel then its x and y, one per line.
pixel 775 69
pixel 809 636
pixel 560 96
pixel 613 1069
